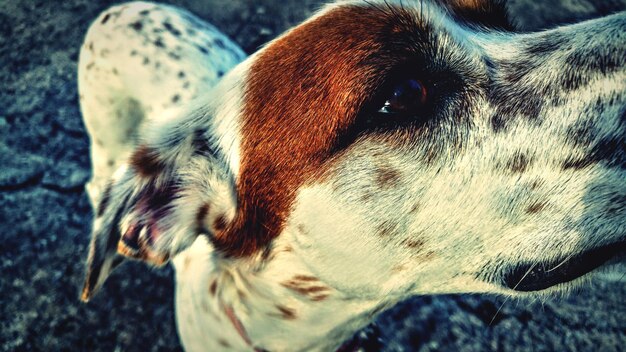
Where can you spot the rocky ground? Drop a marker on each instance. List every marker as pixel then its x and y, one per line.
pixel 45 215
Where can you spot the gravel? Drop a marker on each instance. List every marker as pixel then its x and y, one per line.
pixel 45 216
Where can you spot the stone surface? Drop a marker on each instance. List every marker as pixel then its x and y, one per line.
pixel 45 215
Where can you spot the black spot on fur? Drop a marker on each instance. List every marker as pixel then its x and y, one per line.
pixel 202 49
pixel 220 73
pixel 144 12
pixel 518 163
pixel 201 144
pixel 173 55
pixel 513 95
pixel 159 42
pixel 509 105
pixel 572 79
pixel 573 163
pixel 203 211
pixel 611 151
pixel 536 207
pixel 498 123
pixel 514 71
pixel 106 18
pixel 545 45
pixel 616 205
pixel 581 134
pixel 159 200
pixel 181 74
pixel 138 26
pixel 220 43
pixel 170 28
pixel 581 66
pixel 491 66
pixel 586 62
pixel 176 98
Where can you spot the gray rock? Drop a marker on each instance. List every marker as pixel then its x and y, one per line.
pixel 19 169
pixel 66 176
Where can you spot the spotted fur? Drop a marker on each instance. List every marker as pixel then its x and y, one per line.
pixel 294 211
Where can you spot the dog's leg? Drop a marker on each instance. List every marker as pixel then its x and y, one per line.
pixel 143 61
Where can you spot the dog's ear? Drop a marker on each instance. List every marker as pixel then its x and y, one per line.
pixel 485 13
pixel 172 189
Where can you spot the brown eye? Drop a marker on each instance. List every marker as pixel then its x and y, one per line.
pixel 407 97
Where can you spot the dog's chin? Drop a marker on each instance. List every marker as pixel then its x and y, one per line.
pixel 539 276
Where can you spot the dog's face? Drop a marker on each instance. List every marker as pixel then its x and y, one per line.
pixel 396 148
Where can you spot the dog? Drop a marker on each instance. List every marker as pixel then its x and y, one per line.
pixel 379 150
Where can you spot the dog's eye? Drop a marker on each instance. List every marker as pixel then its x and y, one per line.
pixel 407 97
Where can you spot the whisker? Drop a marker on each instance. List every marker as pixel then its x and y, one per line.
pixel 561 263
pixel 526 274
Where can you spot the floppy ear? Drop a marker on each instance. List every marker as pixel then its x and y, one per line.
pixel 486 13
pixel 171 190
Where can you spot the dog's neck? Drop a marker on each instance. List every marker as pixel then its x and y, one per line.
pixel 270 302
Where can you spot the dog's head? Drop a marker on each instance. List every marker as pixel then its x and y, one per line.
pixel 396 148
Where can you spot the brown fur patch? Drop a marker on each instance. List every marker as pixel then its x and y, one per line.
pixel 387 177
pixel 305 278
pixel 386 229
pixel 398 268
pixel 319 298
pixel 415 208
pixel 306 290
pixel 242 296
pixel 366 196
pixel 302 229
pixel 220 223
pixel 518 163
pixel 145 161
pixel 286 313
pixel 536 207
pixel 213 287
pixel 318 77
pixel 426 256
pixel 414 244
pixel 307 287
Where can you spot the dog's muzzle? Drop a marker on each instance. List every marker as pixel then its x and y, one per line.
pixel 570 85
